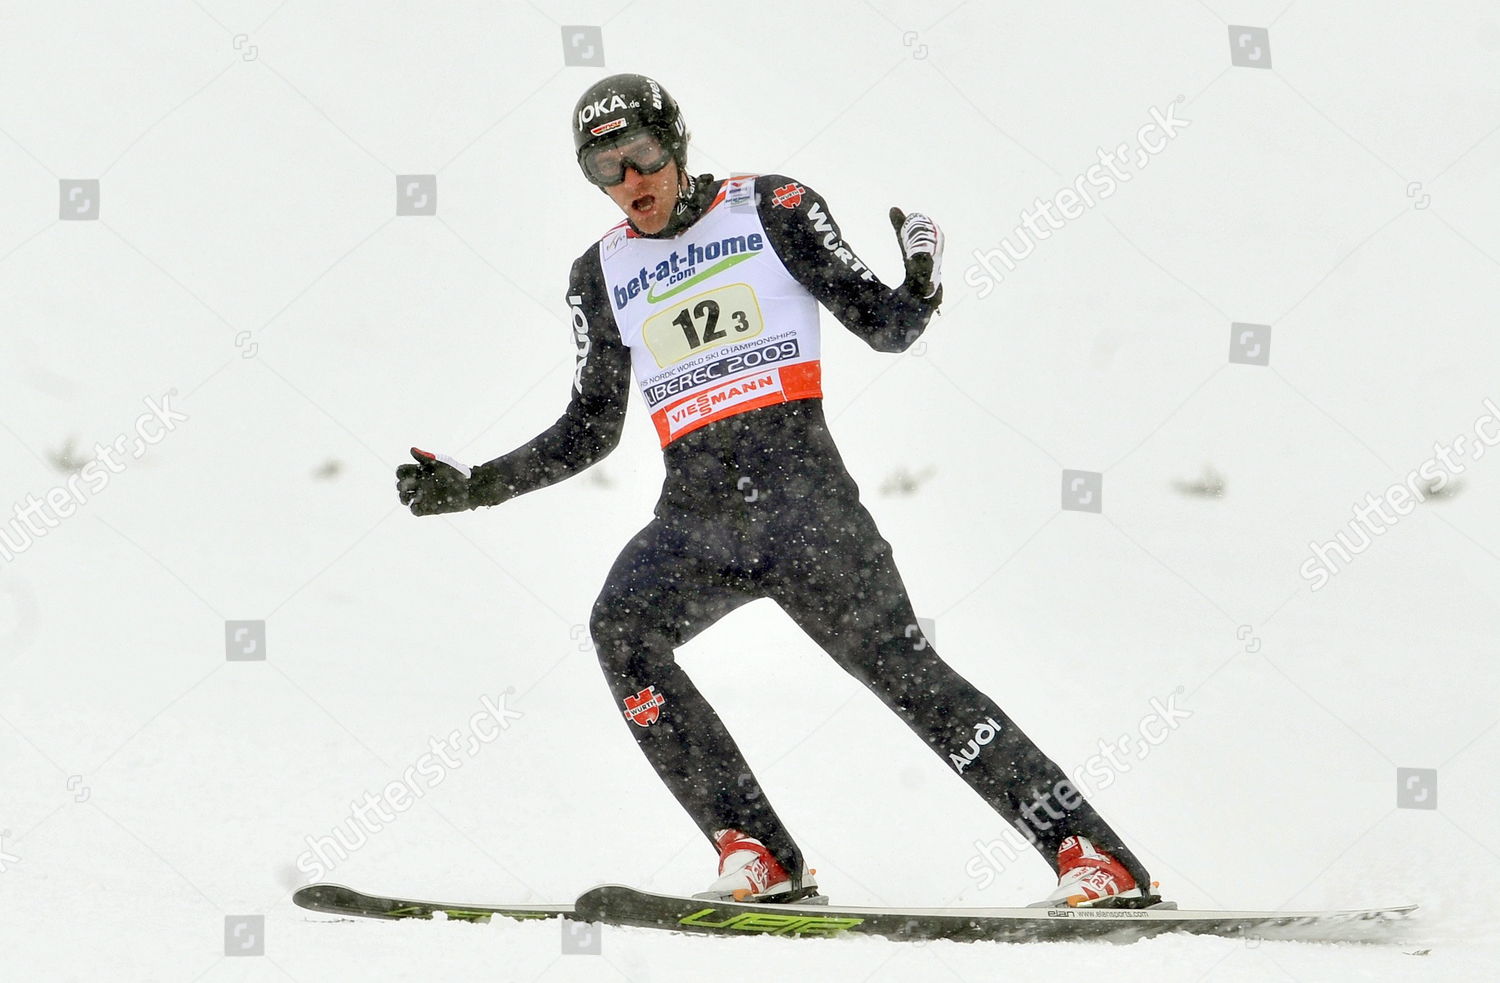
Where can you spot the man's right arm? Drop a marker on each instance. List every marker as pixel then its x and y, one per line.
pixel 590 428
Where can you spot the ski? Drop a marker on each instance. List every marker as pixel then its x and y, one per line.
pixel 614 904
pixel 620 905
pixel 336 899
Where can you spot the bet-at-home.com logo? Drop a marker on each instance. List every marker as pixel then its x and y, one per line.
pixel 678 272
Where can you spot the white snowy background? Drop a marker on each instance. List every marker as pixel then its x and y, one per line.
pixel 244 257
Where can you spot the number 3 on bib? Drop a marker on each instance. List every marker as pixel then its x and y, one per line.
pixel 722 316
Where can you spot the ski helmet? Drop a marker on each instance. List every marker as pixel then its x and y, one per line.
pixel 621 106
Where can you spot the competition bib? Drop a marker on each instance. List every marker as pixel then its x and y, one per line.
pixel 715 323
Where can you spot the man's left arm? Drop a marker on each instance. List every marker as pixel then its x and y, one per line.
pixel 811 246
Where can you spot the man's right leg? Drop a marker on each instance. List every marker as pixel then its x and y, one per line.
pixel 668 584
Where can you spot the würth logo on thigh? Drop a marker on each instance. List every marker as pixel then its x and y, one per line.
pixel 644 708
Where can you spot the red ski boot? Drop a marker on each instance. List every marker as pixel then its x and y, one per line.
pixel 748 872
pixel 1087 874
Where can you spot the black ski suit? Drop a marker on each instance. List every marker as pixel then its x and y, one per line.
pixel 760 504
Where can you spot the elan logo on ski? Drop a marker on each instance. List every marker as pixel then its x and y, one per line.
pixel 644 708
pixel 788 195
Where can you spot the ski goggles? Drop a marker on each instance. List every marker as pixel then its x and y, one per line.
pixel 604 163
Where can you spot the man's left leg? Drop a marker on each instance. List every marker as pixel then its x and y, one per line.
pixel 836 578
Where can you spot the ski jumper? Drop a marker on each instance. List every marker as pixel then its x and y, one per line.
pixel 717 320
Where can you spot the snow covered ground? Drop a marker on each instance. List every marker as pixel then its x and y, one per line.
pixel 240 266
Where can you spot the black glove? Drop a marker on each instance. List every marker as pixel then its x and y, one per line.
pixel 922 251
pixel 435 484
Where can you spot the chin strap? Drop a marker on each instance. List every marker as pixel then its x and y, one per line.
pixel 685 195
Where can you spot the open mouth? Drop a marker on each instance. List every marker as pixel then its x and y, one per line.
pixel 644 203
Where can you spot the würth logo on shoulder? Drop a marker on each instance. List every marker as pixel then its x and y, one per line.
pixel 644 708
pixel 789 195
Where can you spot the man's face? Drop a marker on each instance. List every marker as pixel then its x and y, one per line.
pixel 647 199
